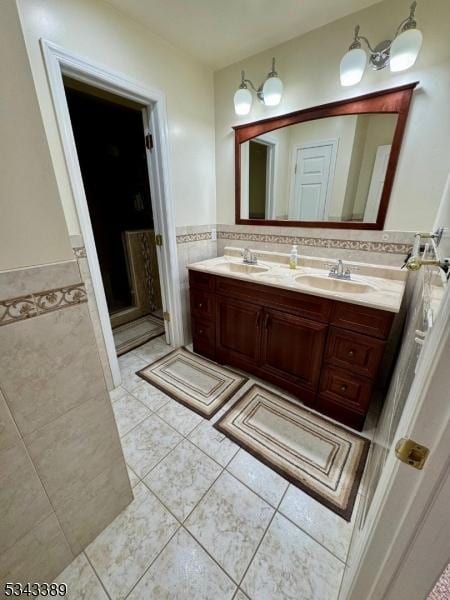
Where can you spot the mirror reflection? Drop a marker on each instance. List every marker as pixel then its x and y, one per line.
pixel 330 169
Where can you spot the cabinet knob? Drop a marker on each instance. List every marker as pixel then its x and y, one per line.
pixel 200 332
pixel 200 304
pixel 351 353
pixel 343 387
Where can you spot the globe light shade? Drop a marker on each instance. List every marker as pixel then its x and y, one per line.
pixel 353 64
pixel 242 101
pixel 405 49
pixel 272 91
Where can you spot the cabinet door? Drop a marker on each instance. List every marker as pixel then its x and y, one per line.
pixel 292 348
pixel 238 332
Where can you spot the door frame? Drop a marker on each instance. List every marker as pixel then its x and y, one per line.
pixel 403 512
pixel 334 143
pixel 58 62
pixel 370 199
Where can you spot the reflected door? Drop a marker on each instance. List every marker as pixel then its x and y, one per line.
pixel 311 182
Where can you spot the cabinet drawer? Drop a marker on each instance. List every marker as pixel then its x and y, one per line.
pixel 204 337
pixel 345 388
pixel 359 353
pixel 362 319
pixel 303 305
pixel 201 280
pixel 202 303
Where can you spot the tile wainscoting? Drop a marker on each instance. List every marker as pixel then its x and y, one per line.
pixel 79 252
pixel 63 478
pixel 194 243
pixel 378 247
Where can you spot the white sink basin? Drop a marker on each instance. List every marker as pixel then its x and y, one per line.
pixel 342 286
pixel 232 267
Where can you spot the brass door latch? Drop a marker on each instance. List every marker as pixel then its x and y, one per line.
pixel 411 453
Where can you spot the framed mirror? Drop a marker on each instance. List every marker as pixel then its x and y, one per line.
pixel 328 166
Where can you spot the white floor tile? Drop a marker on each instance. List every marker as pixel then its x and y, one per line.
pixel 262 480
pixel 126 548
pixel 184 571
pixel 214 443
pixel 325 526
pixel 153 350
pixel 230 522
pixel 82 583
pixel 148 443
pixel 240 596
pixel 134 479
pixel 129 364
pixel 117 393
pixel 179 417
pixel 181 479
pixel 289 565
pixel 128 412
pixel 150 396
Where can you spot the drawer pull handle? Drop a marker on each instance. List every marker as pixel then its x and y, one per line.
pixel 351 353
pixel 343 388
pixel 200 304
pixel 200 332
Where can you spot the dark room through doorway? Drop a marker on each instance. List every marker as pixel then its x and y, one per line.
pixel 110 140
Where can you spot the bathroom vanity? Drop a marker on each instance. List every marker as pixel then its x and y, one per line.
pixel 319 338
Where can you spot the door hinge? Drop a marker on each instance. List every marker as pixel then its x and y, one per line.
pixel 158 239
pixel 166 316
pixel 411 453
pixel 149 141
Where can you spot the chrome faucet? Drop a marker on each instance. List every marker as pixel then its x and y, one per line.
pixel 339 271
pixel 249 257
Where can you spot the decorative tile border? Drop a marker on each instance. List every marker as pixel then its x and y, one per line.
pixel 194 237
pixel 385 247
pixel 33 305
pixel 79 252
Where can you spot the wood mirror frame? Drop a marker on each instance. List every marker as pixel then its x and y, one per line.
pixel 394 101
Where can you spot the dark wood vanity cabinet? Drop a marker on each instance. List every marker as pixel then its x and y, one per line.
pixel 325 352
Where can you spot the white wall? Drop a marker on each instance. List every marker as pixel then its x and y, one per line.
pixel 100 33
pixel 309 67
pixel 32 227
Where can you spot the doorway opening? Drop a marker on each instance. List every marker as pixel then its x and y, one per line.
pixel 110 141
pixel 261 174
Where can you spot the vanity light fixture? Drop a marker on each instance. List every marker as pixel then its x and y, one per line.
pixel 269 92
pixel 400 53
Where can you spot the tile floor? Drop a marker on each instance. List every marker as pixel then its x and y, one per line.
pixel 208 521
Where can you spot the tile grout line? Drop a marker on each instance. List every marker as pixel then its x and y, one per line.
pixel 182 523
pixel 180 526
pixel 183 526
pixel 262 538
pixel 310 536
pixel 156 557
pixel 41 482
pixel 96 574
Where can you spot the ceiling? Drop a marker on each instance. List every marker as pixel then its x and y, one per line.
pixel 221 32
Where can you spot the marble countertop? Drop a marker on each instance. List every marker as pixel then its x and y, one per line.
pixel 379 286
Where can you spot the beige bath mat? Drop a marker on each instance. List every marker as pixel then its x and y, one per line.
pixel 198 383
pixel 138 332
pixel 318 456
